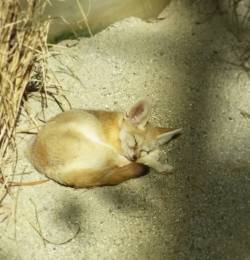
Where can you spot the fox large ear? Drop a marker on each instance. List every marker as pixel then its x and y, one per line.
pixel 166 137
pixel 139 113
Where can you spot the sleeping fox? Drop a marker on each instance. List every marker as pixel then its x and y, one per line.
pixel 83 148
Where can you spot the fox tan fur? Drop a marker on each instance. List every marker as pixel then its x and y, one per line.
pixel 83 148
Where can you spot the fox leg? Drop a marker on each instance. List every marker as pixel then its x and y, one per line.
pixel 152 160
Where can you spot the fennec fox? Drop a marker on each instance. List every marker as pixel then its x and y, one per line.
pixel 82 148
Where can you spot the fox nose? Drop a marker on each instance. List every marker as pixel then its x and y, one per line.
pixel 134 157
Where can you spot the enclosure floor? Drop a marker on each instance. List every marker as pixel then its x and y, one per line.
pixel 202 211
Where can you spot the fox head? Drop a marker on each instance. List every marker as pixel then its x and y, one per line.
pixel 138 136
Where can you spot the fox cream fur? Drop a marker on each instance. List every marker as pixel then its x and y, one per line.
pixel 82 148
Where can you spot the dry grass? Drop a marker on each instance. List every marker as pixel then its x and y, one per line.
pixel 22 49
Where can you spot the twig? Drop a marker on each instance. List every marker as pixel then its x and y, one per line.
pixel 52 242
pixel 85 19
pixel 38 222
pixel 28 183
pixel 15 207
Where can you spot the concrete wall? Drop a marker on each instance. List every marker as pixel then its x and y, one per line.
pixel 68 18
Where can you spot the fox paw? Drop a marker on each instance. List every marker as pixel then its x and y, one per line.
pixel 165 169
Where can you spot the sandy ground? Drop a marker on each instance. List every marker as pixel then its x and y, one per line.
pixel 202 211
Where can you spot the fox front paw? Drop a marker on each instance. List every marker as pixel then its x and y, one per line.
pixel 164 168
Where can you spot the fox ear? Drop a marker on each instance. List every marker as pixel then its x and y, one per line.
pixel 139 113
pixel 166 137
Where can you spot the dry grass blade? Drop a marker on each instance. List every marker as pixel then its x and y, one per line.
pixel 22 43
pixel 38 230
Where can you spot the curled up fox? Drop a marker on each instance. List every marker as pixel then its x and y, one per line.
pixel 83 148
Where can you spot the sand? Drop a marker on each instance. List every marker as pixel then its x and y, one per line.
pixel 202 211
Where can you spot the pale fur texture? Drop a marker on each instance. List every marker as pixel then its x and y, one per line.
pixel 82 148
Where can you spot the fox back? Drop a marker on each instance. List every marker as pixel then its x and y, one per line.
pixel 83 148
